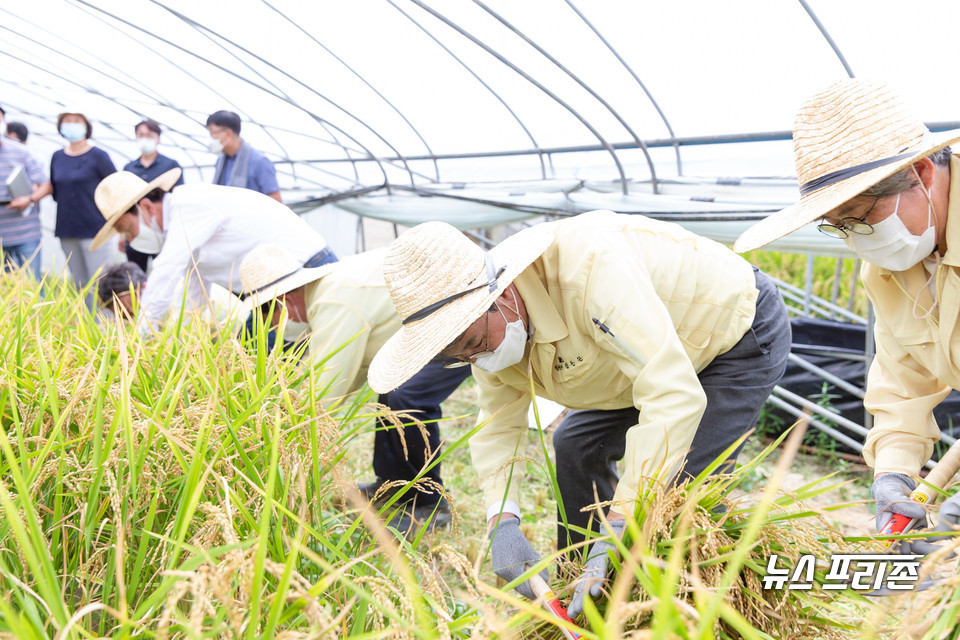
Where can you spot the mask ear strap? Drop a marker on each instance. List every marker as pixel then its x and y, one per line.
pixel 932 280
pixel 932 218
pixel 931 283
pixel 516 307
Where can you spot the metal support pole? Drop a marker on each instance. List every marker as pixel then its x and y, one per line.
pixel 869 351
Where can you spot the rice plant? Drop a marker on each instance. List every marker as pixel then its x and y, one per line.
pixel 182 487
pixel 832 278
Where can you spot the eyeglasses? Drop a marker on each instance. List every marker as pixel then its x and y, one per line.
pixel 462 359
pixel 848 226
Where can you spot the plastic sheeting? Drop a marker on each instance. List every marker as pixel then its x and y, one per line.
pixel 342 94
pixel 626 97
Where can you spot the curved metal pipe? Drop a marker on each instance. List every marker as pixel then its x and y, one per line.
pixel 596 96
pixel 108 125
pixel 826 36
pixel 543 168
pixel 403 117
pixel 656 105
pixel 230 72
pixel 606 145
pixel 184 112
pixel 197 25
pixel 206 32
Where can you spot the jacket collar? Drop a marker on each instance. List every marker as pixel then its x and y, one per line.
pixel 952 256
pixel 549 326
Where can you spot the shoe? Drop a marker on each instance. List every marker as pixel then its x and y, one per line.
pixel 403 521
pixel 381 490
pixel 409 519
pixel 433 515
pixel 371 491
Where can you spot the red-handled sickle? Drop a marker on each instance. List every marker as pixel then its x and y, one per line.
pixel 552 604
pixel 938 477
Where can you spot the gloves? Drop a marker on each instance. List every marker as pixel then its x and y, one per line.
pixel 949 521
pixel 511 553
pixel 892 493
pixel 595 571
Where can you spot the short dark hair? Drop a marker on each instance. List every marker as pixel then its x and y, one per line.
pixel 156 195
pixel 905 178
pixel 225 119
pixel 119 279
pixel 19 129
pixel 87 122
pixel 152 125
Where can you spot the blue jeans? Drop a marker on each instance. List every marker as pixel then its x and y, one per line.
pixel 18 255
pixel 421 395
pixel 736 383
pixel 322 257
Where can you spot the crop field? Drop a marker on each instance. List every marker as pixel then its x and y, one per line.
pixel 183 486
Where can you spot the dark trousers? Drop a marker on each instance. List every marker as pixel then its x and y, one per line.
pixel 138 257
pixel 421 396
pixel 589 443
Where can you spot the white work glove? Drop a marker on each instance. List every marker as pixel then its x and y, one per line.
pixel 511 553
pixel 892 493
pixel 594 575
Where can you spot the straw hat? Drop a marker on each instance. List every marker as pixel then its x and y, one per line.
pixel 440 283
pixel 846 139
pixel 121 190
pixel 269 271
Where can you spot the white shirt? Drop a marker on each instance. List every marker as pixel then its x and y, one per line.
pixel 208 229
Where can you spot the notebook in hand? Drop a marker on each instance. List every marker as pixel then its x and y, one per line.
pixel 17 184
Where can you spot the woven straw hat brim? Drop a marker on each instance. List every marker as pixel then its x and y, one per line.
pixel 817 204
pixel 415 344
pixel 305 275
pixel 165 181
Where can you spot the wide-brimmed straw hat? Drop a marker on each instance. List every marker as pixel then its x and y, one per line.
pixel 846 139
pixel 121 190
pixel 440 283
pixel 269 271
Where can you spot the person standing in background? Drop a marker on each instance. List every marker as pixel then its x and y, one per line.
pixel 238 163
pixel 17 131
pixel 19 217
pixel 148 166
pixel 75 172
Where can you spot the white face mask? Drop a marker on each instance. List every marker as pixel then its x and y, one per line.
pixel 146 145
pixel 891 245
pixel 510 350
pixel 288 329
pixel 215 146
pixel 73 131
pixel 150 237
pixel 295 330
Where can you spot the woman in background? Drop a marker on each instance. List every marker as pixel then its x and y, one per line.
pixel 75 171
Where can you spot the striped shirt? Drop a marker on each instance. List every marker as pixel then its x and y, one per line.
pixel 16 228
